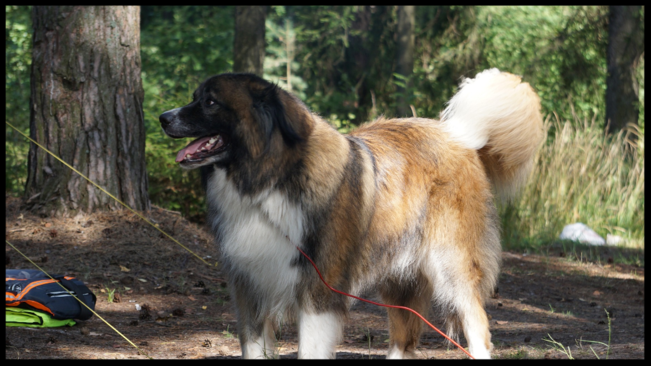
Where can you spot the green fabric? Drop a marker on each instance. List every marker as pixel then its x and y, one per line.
pixel 18 317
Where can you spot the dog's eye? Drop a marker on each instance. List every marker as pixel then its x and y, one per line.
pixel 210 102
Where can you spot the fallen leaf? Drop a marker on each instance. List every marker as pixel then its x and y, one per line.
pixel 502 322
pixel 596 293
pixel 124 269
pixel 142 280
pixel 48 224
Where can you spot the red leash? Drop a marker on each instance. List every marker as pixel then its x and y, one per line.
pixel 386 306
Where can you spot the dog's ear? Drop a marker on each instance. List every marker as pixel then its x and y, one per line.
pixel 275 106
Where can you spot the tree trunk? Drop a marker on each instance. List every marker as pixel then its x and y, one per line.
pixel 86 107
pixel 405 57
pixel 625 46
pixel 363 47
pixel 249 45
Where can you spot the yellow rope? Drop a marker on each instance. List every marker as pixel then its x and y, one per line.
pixel 81 302
pixel 103 190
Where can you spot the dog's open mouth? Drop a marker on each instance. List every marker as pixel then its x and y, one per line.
pixel 200 149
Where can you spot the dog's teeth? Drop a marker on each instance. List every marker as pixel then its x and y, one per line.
pixel 187 156
pixel 212 140
pixel 203 148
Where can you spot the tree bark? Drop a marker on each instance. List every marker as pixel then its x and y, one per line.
pixel 363 47
pixel 625 46
pixel 249 43
pixel 405 56
pixel 86 107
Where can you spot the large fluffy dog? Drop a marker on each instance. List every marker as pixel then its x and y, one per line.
pixel 400 206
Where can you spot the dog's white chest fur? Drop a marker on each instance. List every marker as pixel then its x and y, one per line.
pixel 254 239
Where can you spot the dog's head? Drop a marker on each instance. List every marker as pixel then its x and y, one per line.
pixel 236 116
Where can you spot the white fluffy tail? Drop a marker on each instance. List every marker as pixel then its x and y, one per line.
pixel 498 115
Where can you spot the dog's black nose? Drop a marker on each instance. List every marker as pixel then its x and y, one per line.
pixel 165 119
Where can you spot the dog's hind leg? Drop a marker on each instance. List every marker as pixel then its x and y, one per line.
pixel 318 333
pixel 460 287
pixel 472 317
pixel 405 328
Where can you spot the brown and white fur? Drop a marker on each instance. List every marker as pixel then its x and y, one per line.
pixel 403 207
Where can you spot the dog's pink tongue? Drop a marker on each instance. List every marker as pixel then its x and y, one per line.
pixel 191 148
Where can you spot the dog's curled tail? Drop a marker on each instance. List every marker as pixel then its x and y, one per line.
pixel 498 115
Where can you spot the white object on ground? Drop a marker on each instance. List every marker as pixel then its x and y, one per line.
pixel 582 233
pixel 614 239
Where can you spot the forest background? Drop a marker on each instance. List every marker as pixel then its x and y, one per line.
pixel 341 62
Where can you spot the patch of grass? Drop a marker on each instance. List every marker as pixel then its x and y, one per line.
pixel 368 337
pixel 228 334
pixel 515 354
pixel 222 297
pixel 579 342
pixel 110 294
pixel 581 175
pixel 559 347
pixel 182 283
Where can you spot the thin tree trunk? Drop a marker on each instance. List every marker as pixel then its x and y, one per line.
pixel 625 46
pixel 86 107
pixel 249 43
pixel 405 56
pixel 363 44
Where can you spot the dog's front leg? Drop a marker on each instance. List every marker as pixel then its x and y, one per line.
pixel 259 341
pixel 255 331
pixel 318 334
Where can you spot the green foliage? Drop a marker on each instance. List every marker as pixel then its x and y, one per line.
pixel 170 186
pixel 180 47
pixel 448 46
pixel 346 60
pixel 559 50
pixel 18 60
pixel 280 52
pixel 639 75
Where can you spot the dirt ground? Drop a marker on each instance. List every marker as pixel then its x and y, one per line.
pixel 186 312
